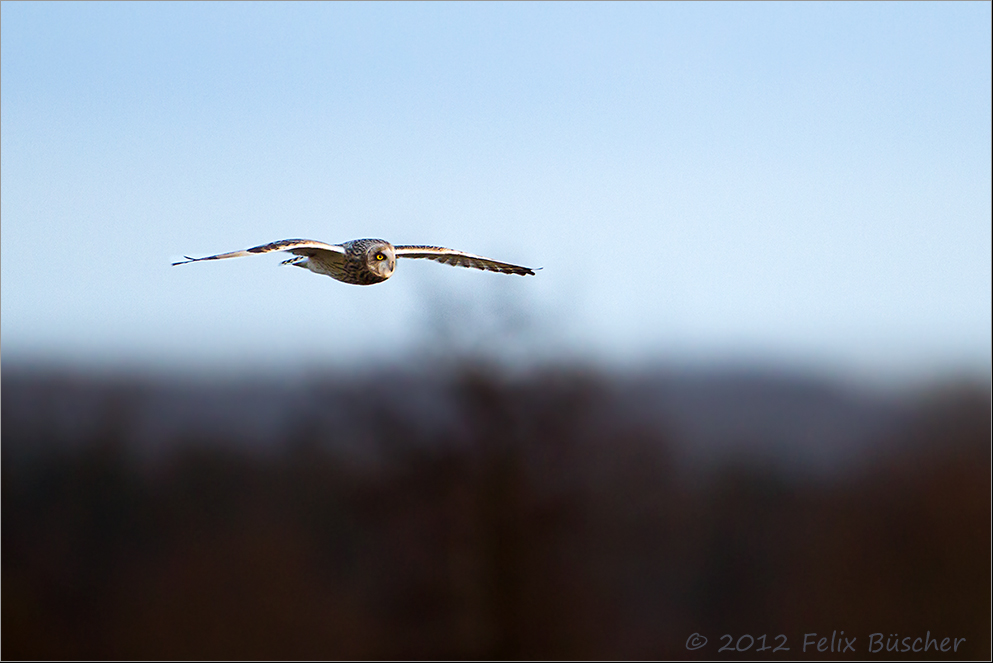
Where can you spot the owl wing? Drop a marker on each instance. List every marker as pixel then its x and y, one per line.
pixel 460 259
pixel 300 247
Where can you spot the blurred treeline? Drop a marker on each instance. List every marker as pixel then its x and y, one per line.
pixel 477 515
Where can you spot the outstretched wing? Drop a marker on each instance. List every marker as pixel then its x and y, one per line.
pixel 460 259
pixel 300 247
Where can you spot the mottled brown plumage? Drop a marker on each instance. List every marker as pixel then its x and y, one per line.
pixel 365 261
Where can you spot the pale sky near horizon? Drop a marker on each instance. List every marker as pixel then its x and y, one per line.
pixel 790 183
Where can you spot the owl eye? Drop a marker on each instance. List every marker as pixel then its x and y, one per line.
pixel 380 256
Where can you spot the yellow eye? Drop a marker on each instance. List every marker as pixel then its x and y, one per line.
pixel 380 256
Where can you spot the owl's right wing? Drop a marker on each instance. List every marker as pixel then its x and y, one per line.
pixel 460 259
pixel 299 247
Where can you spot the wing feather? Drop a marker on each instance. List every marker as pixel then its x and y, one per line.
pixel 459 259
pixel 294 246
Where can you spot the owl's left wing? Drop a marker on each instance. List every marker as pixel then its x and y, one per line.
pixel 299 247
pixel 459 258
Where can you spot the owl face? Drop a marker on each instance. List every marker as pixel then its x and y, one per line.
pixel 380 259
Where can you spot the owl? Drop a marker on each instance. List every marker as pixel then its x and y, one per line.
pixel 364 261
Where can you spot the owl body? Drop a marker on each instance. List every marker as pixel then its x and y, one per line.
pixel 365 261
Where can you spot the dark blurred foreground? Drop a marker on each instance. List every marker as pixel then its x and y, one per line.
pixel 565 514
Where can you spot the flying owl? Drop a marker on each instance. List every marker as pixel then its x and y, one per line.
pixel 364 261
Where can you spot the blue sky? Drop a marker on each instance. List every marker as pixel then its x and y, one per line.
pixel 796 183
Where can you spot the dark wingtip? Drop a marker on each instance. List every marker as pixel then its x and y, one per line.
pixel 183 262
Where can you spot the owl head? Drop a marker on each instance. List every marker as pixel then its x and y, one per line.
pixel 380 259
